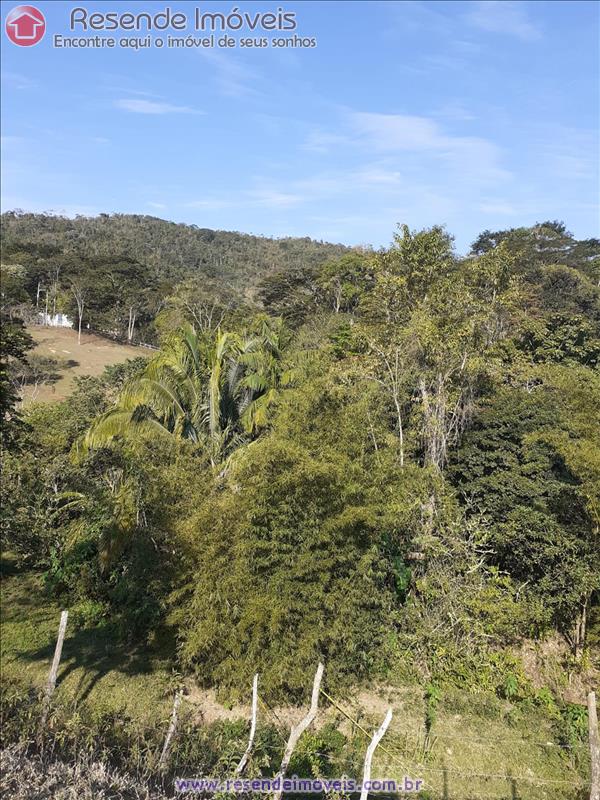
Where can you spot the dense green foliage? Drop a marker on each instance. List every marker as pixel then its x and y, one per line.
pixel 387 461
pixel 131 268
pixel 14 343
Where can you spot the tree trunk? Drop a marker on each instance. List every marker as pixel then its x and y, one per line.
pixel 172 728
pixel 400 428
pixel 580 631
pixel 131 324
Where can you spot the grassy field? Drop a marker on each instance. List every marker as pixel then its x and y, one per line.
pixel 88 358
pixel 482 748
pixel 94 667
pixel 473 733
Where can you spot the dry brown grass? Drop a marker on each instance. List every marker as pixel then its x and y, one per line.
pixel 25 777
pixel 88 358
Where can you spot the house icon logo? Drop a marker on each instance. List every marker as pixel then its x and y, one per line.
pixel 25 25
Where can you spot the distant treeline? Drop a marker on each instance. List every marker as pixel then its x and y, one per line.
pixel 127 265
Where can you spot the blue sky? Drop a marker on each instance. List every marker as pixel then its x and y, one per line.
pixel 470 114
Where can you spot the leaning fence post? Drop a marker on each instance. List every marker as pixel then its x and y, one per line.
pixel 172 728
pixel 246 756
pixel 297 732
pixel 594 747
pixel 54 668
pixel 377 737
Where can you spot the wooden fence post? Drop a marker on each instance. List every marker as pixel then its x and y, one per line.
pixel 246 756
pixel 594 747
pixel 171 731
pixel 54 668
pixel 377 737
pixel 297 732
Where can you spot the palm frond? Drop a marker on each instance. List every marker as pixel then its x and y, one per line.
pixel 118 424
pixel 256 415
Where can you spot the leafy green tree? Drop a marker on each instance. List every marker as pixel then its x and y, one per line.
pixel 560 338
pixel 292 295
pixel 203 304
pixel 13 292
pixel 183 391
pixel 267 369
pixel 429 324
pixel 512 468
pixel 542 244
pixel 14 343
pixel 344 281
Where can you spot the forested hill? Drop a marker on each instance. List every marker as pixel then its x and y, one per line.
pixel 160 251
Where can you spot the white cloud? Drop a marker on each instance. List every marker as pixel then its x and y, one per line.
pixel 122 88
pixel 505 209
pixel 15 80
pixel 234 78
pixel 264 195
pixel 150 107
pixel 472 157
pixel 455 111
pixel 378 176
pixel 319 141
pixel 568 153
pixel 212 203
pixel 414 16
pixel 503 16
pixel 157 206
pixel 393 132
pixel 272 198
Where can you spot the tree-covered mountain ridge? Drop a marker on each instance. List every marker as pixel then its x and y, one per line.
pixel 169 250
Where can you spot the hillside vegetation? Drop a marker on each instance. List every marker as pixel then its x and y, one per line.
pixel 386 461
pixel 126 265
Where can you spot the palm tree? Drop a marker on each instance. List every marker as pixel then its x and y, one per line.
pixel 183 391
pixel 265 373
pixel 207 388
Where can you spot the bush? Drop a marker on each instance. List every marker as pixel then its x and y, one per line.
pixel 288 573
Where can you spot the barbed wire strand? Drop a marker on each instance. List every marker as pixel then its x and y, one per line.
pixel 401 757
pixel 535 780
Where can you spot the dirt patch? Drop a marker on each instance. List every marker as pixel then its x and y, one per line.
pixel 367 708
pixel 74 360
pixel 549 663
pixel 208 709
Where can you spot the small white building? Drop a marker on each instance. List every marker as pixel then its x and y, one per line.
pixel 54 320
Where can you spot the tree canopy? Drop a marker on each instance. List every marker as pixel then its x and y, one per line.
pixel 384 459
